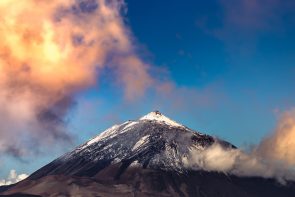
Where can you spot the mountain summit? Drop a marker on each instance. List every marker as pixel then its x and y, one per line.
pixel 144 157
pixel 153 141
pixel 159 117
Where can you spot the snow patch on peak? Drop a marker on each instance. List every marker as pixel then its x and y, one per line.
pixel 107 133
pixel 141 142
pixel 159 117
pixel 111 132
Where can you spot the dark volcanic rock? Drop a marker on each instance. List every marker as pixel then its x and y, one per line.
pixel 20 195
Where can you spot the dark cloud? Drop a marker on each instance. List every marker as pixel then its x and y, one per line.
pixel 87 6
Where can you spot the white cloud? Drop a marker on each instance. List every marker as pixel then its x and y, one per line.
pixel 12 178
pixel 240 163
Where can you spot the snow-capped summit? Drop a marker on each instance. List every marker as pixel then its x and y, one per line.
pixel 155 116
pixel 153 141
pixel 158 116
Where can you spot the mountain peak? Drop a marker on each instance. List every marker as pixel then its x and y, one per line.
pixel 154 141
pixel 159 117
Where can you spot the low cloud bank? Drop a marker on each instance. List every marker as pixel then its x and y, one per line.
pixel 240 163
pixel 274 157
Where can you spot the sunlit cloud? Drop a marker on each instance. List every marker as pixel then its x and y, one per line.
pixel 280 145
pixel 50 51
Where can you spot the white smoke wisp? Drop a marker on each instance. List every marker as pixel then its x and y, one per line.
pixel 12 178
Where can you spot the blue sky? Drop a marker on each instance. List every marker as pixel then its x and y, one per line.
pixel 232 65
pixel 244 67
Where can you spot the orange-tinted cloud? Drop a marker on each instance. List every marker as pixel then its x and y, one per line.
pixel 49 51
pixel 280 146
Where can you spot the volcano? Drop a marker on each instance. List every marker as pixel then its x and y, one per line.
pixel 144 157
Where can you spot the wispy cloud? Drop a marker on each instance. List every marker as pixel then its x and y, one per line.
pixel 239 24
